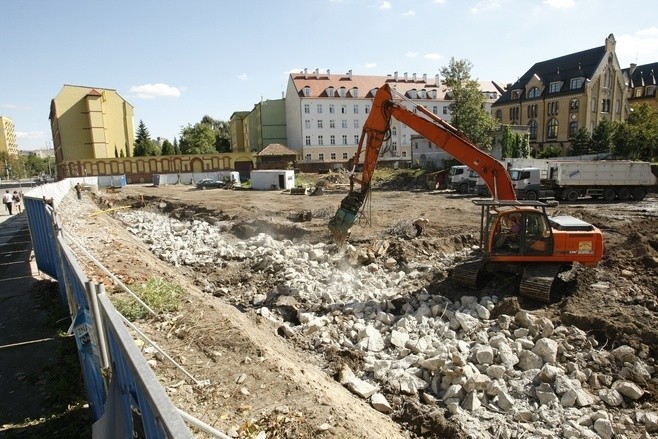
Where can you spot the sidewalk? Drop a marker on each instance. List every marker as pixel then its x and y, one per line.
pixel 28 332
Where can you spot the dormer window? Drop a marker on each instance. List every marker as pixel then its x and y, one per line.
pixel 374 91
pixel 422 94
pixel 555 87
pixel 354 92
pixel 331 92
pixel 516 94
pixel 534 92
pixel 413 94
pixel 306 91
pixel 432 94
pixel 576 83
pixel 342 92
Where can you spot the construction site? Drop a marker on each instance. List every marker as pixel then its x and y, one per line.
pixel 287 334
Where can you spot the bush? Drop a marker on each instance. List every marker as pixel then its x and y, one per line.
pixel 161 296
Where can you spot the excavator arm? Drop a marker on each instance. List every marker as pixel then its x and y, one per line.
pixel 434 129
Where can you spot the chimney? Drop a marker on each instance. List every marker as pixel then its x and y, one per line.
pixel 395 76
pixel 632 69
pixel 414 76
pixel 305 72
pixel 328 72
pixel 425 78
pixel 349 73
pixel 317 73
pixel 437 80
pixel 405 76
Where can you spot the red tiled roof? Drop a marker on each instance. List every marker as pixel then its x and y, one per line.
pixel 276 149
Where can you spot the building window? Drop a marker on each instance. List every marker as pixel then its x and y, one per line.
pixel 593 105
pixel 356 123
pixel 320 140
pixel 514 113
pixel 307 91
pixel 404 154
pixel 445 109
pixel 344 156
pixel 354 92
pixel 319 108
pixel 367 109
pixel 344 139
pixel 605 105
pixel 532 128
pixel 332 108
pixel 342 92
pixel 331 92
pixel 319 123
pixel 356 139
pixel 552 129
pixel 573 128
pixel 308 140
pixel 356 109
pixel 309 156
pixel 435 109
pixel 553 108
pixel 321 156
pixel 554 87
pixel 574 104
pixel 638 92
pixel 332 140
pixel 333 156
pixel 307 108
pixel 532 111
pixel 534 92
pixel 617 107
pixel 576 83
pixel 394 131
pixel 332 123
pixel 307 124
pixel 394 146
pixel 343 123
pixel 516 94
pixel 343 109
pixel 499 115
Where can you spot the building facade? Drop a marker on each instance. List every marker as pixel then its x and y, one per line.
pixel 557 97
pixel 91 123
pixel 8 143
pixel 325 112
pixel 251 131
pixel 641 81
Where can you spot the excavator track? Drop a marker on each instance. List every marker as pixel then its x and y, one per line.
pixel 537 281
pixel 466 274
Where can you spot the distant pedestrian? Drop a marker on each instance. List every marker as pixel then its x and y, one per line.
pixel 420 224
pixel 78 191
pixel 7 201
pixel 16 198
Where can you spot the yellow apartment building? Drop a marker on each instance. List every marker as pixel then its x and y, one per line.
pixel 91 123
pixel 8 142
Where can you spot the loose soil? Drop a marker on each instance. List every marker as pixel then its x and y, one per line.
pixel 262 381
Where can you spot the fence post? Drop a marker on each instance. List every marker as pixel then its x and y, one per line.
pixel 92 289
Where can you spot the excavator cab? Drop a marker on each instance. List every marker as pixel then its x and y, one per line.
pixel 517 231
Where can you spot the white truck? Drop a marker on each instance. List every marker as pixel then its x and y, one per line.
pixel 458 178
pixel 569 180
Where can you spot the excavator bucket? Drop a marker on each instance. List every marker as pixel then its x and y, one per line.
pixel 345 217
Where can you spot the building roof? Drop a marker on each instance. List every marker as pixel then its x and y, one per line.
pixel 367 85
pixel 564 68
pixel 276 149
pixel 641 76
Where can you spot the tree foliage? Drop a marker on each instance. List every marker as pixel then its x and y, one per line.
pixel 222 133
pixel 144 145
pixel 602 137
pixel 581 142
pixel 24 166
pixel 467 106
pixel 550 151
pixel 197 139
pixel 637 137
pixel 513 144
pixel 168 148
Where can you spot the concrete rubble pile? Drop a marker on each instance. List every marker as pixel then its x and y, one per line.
pixel 508 376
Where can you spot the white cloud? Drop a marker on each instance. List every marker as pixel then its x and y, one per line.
pixel 371 65
pixel 243 77
pixel 411 54
pixel 640 47
pixel 560 4
pixel 432 56
pixel 485 6
pixel 385 5
pixel 150 91
pixel 31 135
pixel 409 14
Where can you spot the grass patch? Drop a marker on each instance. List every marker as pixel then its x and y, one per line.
pixel 161 296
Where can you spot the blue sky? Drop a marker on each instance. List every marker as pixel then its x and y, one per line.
pixel 176 61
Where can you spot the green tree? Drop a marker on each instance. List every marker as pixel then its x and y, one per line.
pixel 167 148
pixel 467 106
pixel 581 142
pixel 176 147
pixel 144 145
pixel 222 133
pixel 550 151
pixel 507 142
pixel 197 139
pixel 116 151
pixel 602 137
pixel 637 137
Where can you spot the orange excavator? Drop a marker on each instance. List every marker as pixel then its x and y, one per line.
pixel 518 240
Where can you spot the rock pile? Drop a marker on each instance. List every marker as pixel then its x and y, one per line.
pixel 509 376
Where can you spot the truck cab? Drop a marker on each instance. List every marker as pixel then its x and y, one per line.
pixel 528 184
pixel 458 178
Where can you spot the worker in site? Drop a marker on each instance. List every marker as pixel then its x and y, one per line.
pixel 420 224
